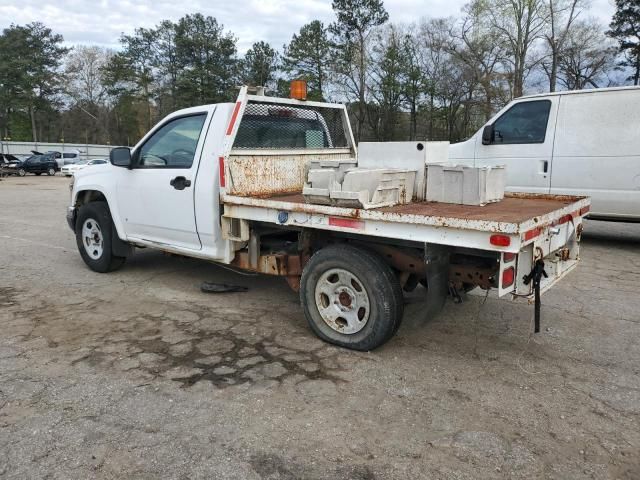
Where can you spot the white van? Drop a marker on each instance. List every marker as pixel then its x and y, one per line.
pixel 584 142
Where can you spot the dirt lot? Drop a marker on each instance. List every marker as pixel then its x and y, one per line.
pixel 138 374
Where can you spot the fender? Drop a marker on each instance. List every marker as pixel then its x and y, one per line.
pixel 119 246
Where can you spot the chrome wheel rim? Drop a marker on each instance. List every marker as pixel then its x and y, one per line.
pixel 342 301
pixel 51 171
pixel 92 238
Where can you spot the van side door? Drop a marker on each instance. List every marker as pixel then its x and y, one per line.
pixel 523 141
pixel 597 151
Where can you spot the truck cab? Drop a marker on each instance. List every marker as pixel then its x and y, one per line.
pixel 575 143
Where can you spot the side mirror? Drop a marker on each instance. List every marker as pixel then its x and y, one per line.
pixel 120 157
pixel 487 135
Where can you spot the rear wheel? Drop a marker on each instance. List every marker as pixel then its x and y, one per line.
pixel 93 237
pixel 351 298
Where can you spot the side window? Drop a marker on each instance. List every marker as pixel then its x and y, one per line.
pixel 525 122
pixel 173 145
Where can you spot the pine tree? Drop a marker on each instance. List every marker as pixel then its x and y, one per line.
pixel 625 28
pixel 260 65
pixel 356 21
pixel 308 57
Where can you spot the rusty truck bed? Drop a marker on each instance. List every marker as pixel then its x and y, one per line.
pixel 514 208
pixel 517 212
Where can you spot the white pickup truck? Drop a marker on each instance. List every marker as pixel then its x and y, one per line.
pixel 223 183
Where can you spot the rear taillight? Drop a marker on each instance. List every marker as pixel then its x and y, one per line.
pixel 508 257
pixel 508 276
pixel 500 240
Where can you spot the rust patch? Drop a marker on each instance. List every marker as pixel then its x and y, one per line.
pixel 472 274
pixel 282 264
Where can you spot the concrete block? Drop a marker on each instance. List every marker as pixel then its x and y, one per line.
pixel 464 184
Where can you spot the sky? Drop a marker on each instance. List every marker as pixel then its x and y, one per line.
pixel 101 22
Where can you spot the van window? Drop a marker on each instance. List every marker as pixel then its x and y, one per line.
pixel 525 122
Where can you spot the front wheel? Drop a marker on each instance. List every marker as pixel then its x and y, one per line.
pixel 22 172
pixel 51 172
pixel 351 298
pixel 93 237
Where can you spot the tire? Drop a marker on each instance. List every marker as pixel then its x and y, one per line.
pixel 368 324
pixel 93 237
pixel 51 172
pixel 22 172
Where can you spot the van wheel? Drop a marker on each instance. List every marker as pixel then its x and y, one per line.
pixel 22 172
pixel 351 297
pixel 51 172
pixel 93 237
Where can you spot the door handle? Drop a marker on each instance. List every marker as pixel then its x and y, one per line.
pixel 180 183
pixel 545 166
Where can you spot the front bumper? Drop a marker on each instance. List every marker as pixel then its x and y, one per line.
pixel 71 218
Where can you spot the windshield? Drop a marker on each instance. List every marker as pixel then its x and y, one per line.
pixel 81 162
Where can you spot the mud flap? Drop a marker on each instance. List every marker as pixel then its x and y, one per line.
pixel 437 266
pixel 118 247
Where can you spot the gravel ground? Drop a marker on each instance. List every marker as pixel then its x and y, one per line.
pixel 138 374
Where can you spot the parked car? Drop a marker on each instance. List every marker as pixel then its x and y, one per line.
pixel 69 158
pixel 8 164
pixel 69 170
pixel 585 142
pixel 6 159
pixel 38 164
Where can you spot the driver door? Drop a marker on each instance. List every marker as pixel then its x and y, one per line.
pixel 523 141
pixel 156 196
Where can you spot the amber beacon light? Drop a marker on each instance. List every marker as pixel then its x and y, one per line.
pixel 298 90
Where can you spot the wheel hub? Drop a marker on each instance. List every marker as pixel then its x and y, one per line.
pixel 345 299
pixel 342 301
pixel 92 238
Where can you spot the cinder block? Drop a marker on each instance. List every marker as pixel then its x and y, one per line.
pixel 465 184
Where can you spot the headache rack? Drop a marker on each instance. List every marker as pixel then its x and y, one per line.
pixel 269 143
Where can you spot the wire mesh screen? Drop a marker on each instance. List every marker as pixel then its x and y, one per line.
pixel 274 126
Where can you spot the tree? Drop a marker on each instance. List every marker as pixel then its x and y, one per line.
pixel 131 71
pixel 355 21
pixel 625 28
pixel 585 59
pixel 308 57
pixel 260 65
pixel 520 24
pixel 388 74
pixel 208 61
pixel 84 85
pixel 84 74
pixel 561 16
pixel 415 82
pixel 480 48
pixel 29 59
